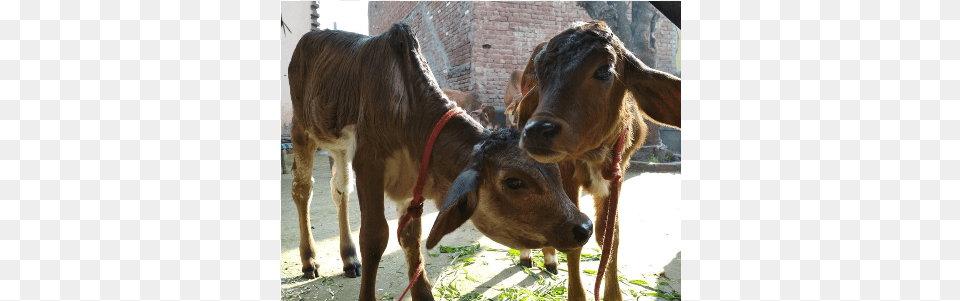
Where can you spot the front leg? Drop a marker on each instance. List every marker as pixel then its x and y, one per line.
pixel 550 260
pixel 374 232
pixel 526 258
pixel 575 290
pixel 571 187
pixel 611 288
pixel 410 243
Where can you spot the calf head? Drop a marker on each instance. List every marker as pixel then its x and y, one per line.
pixel 480 116
pixel 580 82
pixel 485 116
pixel 512 199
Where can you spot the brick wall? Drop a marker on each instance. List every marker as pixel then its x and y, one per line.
pixel 474 46
pixel 443 30
pixel 667 37
pixel 506 33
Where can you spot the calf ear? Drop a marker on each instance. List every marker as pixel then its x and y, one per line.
pixel 527 106
pixel 529 89
pixel 457 207
pixel 657 93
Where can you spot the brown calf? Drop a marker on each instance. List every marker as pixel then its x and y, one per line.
pixel 470 102
pixel 584 88
pixel 511 97
pixel 372 102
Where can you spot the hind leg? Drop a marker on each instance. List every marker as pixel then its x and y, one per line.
pixel 304 149
pixel 340 187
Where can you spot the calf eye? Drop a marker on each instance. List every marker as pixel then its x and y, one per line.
pixel 602 73
pixel 513 183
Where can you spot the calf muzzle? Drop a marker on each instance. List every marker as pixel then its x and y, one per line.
pixel 582 232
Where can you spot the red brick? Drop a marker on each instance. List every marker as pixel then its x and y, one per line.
pixel 512 30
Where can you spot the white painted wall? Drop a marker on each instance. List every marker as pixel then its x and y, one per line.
pixel 297 16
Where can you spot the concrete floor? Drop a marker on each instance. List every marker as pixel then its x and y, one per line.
pixel 649 247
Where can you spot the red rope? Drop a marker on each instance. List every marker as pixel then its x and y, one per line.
pixel 614 176
pixel 415 209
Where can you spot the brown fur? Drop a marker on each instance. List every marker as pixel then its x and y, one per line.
pixel 372 102
pixel 470 102
pixel 590 113
pixel 511 97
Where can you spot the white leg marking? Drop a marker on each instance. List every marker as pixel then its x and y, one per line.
pixel 340 182
pixel 549 259
pixel 526 254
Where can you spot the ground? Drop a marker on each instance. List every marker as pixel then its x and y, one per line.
pixel 649 248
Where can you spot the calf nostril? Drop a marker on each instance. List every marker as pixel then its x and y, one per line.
pixel 550 129
pixel 532 126
pixel 582 232
pixel 543 129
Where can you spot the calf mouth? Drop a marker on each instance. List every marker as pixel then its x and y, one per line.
pixel 539 151
pixel 542 154
pixel 544 141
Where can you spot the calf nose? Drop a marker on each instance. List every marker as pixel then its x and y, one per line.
pixel 542 128
pixel 581 232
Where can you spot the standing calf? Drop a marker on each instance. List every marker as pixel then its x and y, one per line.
pixel 511 97
pixel 372 102
pixel 584 89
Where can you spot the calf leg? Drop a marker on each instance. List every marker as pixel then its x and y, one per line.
pixel 575 290
pixel 550 260
pixel 340 187
pixel 304 149
pixel 571 187
pixel 410 243
pixel 374 232
pixel 526 258
pixel 611 289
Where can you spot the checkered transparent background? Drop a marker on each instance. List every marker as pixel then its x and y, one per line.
pixel 138 150
pixel 821 159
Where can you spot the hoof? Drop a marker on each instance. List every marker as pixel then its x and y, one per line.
pixel 526 262
pixel 311 270
pixel 551 268
pixel 352 270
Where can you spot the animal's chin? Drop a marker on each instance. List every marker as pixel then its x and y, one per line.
pixel 545 155
pixel 519 243
pixel 507 239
